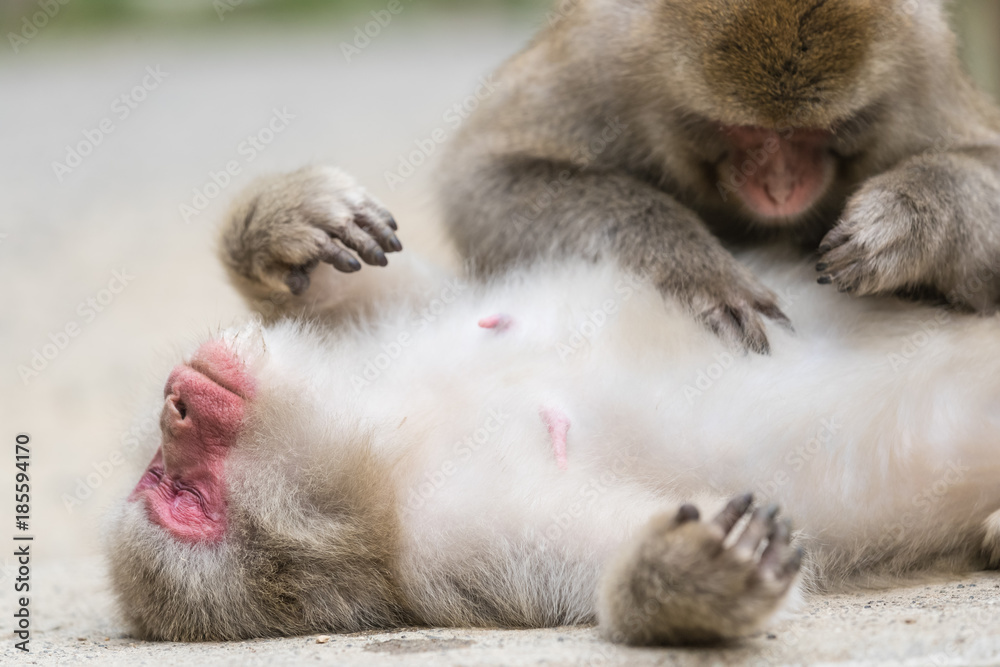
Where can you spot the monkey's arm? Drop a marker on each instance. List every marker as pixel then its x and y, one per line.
pixel 933 221
pixel 283 229
pixel 512 209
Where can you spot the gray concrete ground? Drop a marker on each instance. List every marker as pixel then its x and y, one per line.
pixel 64 235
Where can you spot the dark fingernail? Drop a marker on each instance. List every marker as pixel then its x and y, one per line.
pixel 742 503
pixel 825 248
pixel 778 531
pixel 825 280
pixel 354 264
pixel 392 223
pixel 822 267
pixel 395 245
pixel 380 258
pixel 771 511
pixel 687 513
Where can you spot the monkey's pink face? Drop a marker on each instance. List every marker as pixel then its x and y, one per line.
pixel 778 174
pixel 184 487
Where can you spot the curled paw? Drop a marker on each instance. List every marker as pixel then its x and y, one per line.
pixel 285 226
pixel 688 581
pixel 883 243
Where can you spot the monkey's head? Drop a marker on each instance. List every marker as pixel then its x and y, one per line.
pixel 783 91
pixel 261 513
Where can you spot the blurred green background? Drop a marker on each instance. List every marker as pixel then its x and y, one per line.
pixel 977 21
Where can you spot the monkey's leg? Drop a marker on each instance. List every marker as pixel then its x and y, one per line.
pixel 684 581
pixel 518 209
pixel 282 227
pixel 934 221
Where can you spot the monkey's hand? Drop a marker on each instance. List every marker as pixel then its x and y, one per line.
pixel 282 227
pixel 684 581
pixel 932 222
pixel 726 297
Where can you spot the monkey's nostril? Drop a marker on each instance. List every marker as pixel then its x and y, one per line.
pixel 181 408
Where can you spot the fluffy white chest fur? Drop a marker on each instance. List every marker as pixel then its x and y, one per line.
pixel 560 409
pixel 531 442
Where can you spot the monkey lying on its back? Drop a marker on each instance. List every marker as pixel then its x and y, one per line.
pixel 520 457
pixel 629 130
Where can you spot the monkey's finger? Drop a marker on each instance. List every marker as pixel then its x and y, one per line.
pixel 753 334
pixel 839 257
pixel 297 279
pixel 339 258
pixel 687 513
pixel 794 562
pixel 777 545
pixel 848 279
pixel 734 511
pixel 730 324
pixel 837 237
pixel 757 529
pixel 377 225
pixel 359 241
pixel 774 313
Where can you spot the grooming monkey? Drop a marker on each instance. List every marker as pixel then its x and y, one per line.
pixel 647 130
pixel 484 476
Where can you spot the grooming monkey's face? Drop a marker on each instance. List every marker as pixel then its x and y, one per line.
pixel 778 174
pixel 782 90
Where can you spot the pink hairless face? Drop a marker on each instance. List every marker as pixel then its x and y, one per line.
pixel 783 173
pixel 183 487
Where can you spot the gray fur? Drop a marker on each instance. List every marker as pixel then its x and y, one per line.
pixel 601 140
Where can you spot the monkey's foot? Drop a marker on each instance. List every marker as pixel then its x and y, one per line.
pixel 684 581
pixel 286 225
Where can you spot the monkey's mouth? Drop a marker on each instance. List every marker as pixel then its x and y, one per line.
pixel 204 402
pixel 779 175
pixel 191 511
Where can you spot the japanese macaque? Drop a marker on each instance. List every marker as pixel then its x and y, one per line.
pixel 647 131
pixel 560 446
